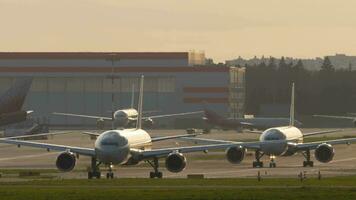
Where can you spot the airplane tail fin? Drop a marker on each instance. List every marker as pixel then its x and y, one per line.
pixel 140 104
pixel 292 109
pixel 132 95
pixel 13 99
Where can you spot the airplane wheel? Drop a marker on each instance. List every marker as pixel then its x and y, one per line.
pixel 90 175
pixel 308 164
pixel 159 175
pixel 97 175
pixel 257 164
pixel 152 175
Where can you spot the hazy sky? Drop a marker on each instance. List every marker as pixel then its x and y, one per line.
pixel 223 29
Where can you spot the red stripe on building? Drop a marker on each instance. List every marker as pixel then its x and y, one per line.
pixel 94 55
pixel 206 89
pixel 109 69
pixel 205 100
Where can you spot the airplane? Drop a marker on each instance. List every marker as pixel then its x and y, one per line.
pixel 259 123
pixel 280 141
pixel 353 118
pixel 126 117
pixel 12 100
pixel 120 147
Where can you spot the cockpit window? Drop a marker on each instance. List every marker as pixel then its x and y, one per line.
pixel 110 143
pixel 274 134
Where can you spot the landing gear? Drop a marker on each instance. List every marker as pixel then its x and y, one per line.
pixel 258 156
pixel 94 171
pixel 110 174
pixel 307 162
pixel 272 164
pixel 155 165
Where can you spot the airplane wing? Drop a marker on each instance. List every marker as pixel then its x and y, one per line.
pixel 91 133
pixel 172 115
pixel 147 154
pixel 314 145
pixel 37 135
pixel 206 141
pixel 321 132
pixel 84 116
pixel 255 132
pixel 335 117
pixel 55 147
pixel 156 139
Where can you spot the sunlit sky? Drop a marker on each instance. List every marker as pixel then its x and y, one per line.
pixel 223 29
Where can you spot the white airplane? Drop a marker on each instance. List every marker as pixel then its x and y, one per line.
pixel 126 117
pixel 280 141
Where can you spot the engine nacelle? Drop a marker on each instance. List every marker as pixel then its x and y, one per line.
pixel 66 161
pixel 148 123
pixel 235 154
pixel 176 162
pixel 324 153
pixel 100 124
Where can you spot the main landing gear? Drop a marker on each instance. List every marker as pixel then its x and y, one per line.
pixel 94 171
pixel 155 165
pixel 258 156
pixel 307 162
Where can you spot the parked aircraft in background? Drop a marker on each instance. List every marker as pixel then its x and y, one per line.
pixel 259 123
pixel 12 100
pixel 280 141
pixel 126 118
pixel 353 118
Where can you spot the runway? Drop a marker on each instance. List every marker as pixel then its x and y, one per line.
pixel 211 165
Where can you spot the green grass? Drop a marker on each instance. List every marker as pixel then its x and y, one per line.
pixel 241 188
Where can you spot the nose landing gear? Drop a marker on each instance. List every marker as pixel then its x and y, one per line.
pixel 94 171
pixel 258 156
pixel 272 164
pixel 155 165
pixel 110 174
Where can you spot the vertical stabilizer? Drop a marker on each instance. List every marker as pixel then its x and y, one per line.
pixel 140 102
pixel 133 96
pixel 13 99
pixel 292 109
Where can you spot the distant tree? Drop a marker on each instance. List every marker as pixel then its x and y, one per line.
pixel 299 66
pixel 327 66
pixel 272 63
pixel 282 64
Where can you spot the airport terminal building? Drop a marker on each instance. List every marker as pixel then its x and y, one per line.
pixel 83 82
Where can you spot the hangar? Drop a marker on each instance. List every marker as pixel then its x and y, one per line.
pixel 83 82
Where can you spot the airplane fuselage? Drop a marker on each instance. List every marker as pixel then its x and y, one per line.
pixel 113 146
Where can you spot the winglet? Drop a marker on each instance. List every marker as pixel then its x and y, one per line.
pixel 291 117
pixel 140 102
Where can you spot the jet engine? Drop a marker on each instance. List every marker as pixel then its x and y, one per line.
pixel 148 123
pixel 235 154
pixel 175 162
pixel 324 153
pixel 100 124
pixel 66 161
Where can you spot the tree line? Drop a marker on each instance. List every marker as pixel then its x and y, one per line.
pixel 327 91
